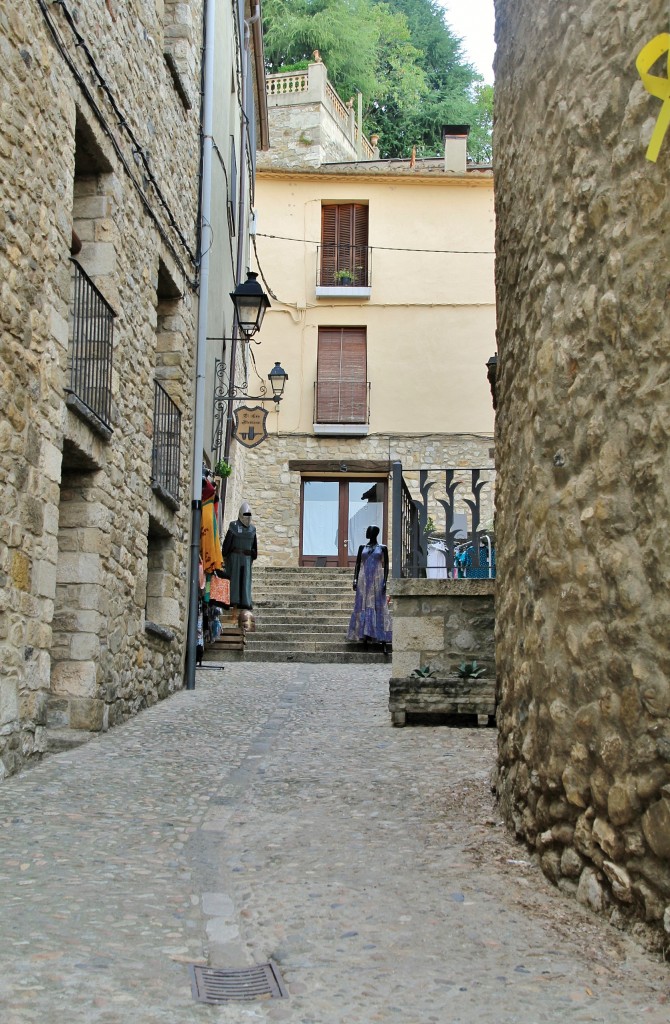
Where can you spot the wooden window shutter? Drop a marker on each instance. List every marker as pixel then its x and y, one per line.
pixel 328 245
pixel 360 241
pixel 342 389
pixel 344 242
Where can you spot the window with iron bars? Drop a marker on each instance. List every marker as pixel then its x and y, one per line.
pixel 166 455
pixel 92 343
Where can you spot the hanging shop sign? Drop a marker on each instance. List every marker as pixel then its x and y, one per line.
pixel 250 425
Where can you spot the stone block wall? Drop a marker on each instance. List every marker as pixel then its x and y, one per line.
pixel 309 125
pixel 442 623
pixel 75 503
pixel 583 435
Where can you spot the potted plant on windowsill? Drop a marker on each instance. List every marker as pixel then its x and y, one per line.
pixel 344 278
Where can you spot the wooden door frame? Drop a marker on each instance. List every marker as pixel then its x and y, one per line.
pixel 343 514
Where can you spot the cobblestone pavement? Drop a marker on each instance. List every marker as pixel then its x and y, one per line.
pixel 275 813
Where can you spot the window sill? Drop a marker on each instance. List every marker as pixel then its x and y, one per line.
pixel 178 80
pixel 342 429
pixel 165 496
pixel 342 292
pixel 87 415
pixel 162 632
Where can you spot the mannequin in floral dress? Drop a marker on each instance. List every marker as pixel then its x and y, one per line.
pixel 370 619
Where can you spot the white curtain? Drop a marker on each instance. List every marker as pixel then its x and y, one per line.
pixel 319 528
pixel 361 515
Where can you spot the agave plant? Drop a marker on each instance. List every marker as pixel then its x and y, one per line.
pixel 422 673
pixel 470 670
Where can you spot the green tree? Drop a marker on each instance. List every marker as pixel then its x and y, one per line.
pixel 400 54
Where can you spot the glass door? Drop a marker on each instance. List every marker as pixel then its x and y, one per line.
pixel 335 516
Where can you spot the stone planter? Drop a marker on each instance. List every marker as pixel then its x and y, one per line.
pixel 449 695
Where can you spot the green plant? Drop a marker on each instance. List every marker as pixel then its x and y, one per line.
pixel 343 275
pixel 299 65
pixel 470 670
pixel 422 673
pixel 223 468
pixel 430 525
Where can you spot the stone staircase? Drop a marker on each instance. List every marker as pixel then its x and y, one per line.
pixel 301 615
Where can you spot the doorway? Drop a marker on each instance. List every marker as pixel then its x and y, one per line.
pixel 334 515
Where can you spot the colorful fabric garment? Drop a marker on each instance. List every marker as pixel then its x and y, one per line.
pixel 210 547
pixel 371 617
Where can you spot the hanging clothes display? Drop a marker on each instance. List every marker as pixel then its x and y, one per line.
pixel 371 619
pixel 210 547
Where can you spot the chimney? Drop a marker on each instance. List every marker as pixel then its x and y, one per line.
pixel 455 147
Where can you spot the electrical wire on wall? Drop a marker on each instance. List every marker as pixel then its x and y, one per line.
pixel 137 150
pixel 390 248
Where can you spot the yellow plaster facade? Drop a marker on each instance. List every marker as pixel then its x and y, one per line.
pixel 426 308
pixel 430 317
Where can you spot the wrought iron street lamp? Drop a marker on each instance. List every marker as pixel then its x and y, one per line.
pixel 250 303
pixel 228 392
pixel 277 378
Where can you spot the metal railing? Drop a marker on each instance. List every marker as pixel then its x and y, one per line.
pixel 341 401
pixel 166 453
pixel 343 266
pixel 465 546
pixel 92 343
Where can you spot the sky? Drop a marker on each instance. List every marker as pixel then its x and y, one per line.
pixel 473 21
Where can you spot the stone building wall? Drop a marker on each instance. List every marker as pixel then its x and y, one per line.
pixel 88 553
pixel 273 489
pixel 309 123
pixel 441 624
pixel 583 434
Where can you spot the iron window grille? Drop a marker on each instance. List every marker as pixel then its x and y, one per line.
pixel 90 364
pixel 166 454
pixel 343 266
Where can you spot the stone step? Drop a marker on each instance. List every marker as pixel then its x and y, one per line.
pixel 285 616
pixel 66 739
pixel 312 645
pixel 278 627
pixel 371 657
pixel 271 632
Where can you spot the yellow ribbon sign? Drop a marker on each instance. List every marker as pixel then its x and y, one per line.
pixel 659 87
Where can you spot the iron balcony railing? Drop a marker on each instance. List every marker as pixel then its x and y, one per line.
pixel 90 364
pixel 343 266
pixel 463 548
pixel 166 454
pixel 341 401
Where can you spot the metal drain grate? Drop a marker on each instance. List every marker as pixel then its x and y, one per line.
pixel 216 985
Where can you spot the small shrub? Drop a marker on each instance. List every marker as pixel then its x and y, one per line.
pixel 470 670
pixel 422 673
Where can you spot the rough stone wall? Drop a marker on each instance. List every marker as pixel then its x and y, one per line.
pixel 583 432
pixel 77 512
pixel 273 490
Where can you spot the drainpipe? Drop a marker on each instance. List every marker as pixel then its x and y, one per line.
pixel 201 338
pixel 241 234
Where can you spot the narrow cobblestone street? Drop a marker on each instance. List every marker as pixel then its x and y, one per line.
pixel 274 813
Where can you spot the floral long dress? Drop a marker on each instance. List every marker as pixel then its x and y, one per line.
pixel 371 618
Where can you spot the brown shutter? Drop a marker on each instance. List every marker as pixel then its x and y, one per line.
pixel 344 242
pixel 360 240
pixel 341 390
pixel 328 245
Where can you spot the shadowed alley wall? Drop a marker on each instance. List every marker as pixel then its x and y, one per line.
pixel 583 523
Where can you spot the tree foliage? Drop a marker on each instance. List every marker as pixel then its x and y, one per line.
pixel 403 58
